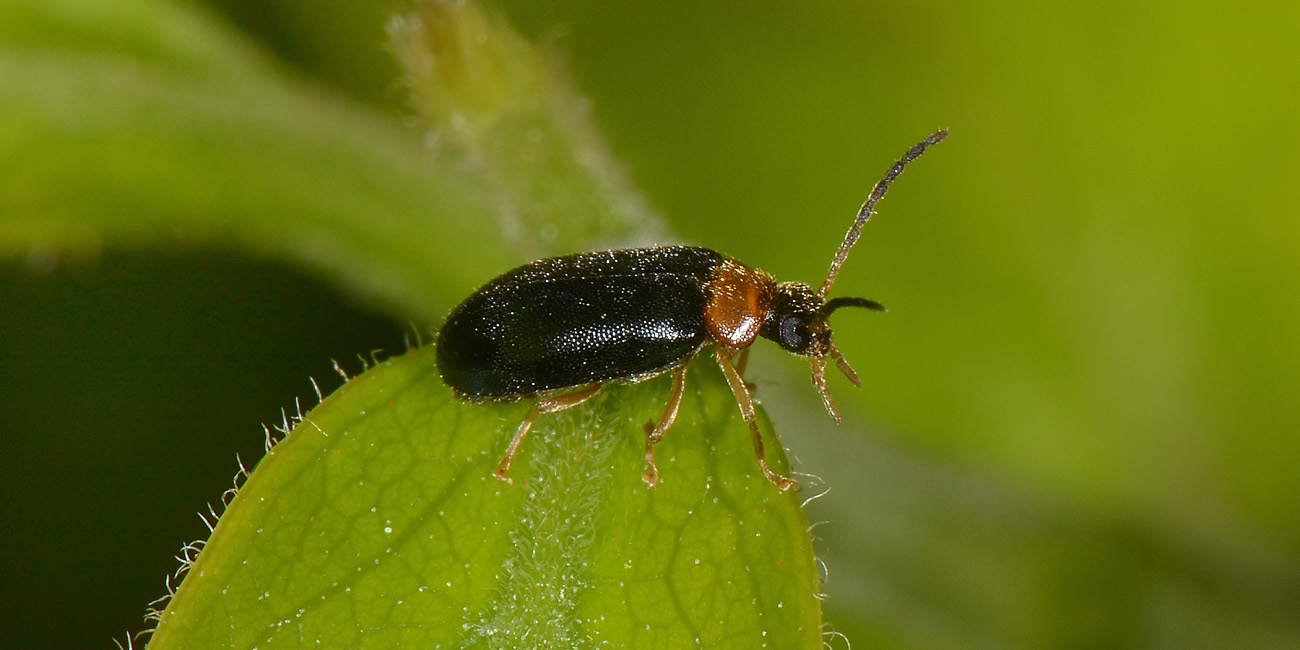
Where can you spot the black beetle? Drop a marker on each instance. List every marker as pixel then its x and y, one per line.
pixel 558 328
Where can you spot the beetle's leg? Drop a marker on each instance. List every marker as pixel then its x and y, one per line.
pixel 818 365
pixel 653 436
pixel 742 361
pixel 747 411
pixel 845 367
pixel 547 405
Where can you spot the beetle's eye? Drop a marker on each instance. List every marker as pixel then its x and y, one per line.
pixel 794 334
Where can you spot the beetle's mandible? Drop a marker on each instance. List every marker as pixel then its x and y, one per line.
pixel 558 329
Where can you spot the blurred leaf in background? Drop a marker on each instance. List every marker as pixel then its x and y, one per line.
pixel 1078 420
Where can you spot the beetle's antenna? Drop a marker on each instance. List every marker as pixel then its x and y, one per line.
pixel 864 214
pixel 835 303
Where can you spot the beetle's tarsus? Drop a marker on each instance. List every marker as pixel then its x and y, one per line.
pixel 502 472
pixel 651 475
pixel 782 483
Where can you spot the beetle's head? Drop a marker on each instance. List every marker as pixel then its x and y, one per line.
pixel 798 321
pixel 797 317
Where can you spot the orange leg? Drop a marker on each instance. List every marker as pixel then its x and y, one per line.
pixel 742 361
pixel 654 435
pixel 547 405
pixel 747 411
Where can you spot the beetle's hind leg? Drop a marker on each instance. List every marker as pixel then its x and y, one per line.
pixel 546 405
pixel 656 433
pixel 747 411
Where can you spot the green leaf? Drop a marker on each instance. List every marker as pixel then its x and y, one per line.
pixel 377 523
pixel 175 132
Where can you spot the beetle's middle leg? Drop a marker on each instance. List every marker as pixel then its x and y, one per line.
pixel 543 406
pixel 746 405
pixel 742 362
pixel 654 435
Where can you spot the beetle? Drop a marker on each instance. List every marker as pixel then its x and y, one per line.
pixel 558 329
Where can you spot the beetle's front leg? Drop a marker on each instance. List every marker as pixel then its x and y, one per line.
pixel 747 412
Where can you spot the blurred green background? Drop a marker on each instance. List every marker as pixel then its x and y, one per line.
pixel 1079 423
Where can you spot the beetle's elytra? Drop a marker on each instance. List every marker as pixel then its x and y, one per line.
pixel 558 329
